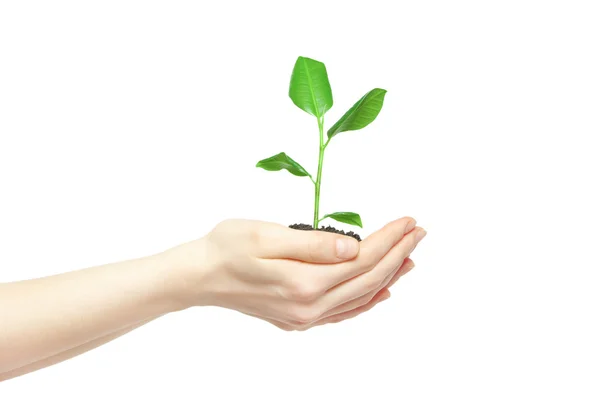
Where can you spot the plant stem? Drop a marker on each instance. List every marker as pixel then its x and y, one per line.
pixel 319 171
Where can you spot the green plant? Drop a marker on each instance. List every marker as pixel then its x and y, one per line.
pixel 310 91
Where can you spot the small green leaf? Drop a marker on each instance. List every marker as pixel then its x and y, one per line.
pixel 282 161
pixel 309 87
pixel 345 217
pixel 361 114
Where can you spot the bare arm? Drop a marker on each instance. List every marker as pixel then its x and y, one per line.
pixel 44 317
pixel 63 356
pixel 47 320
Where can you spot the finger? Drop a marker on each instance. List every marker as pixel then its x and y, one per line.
pixel 372 249
pixel 307 246
pixel 406 266
pixel 380 242
pixel 365 299
pixel 380 297
pixel 372 279
pixel 398 275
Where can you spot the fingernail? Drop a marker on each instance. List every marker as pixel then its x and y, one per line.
pixel 421 234
pixel 346 248
pixel 386 297
pixel 412 224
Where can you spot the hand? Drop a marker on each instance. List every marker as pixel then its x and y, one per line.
pixel 348 312
pixel 291 278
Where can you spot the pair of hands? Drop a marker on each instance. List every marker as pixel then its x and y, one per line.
pixel 293 279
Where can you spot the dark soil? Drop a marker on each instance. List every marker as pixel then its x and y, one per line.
pixel 329 229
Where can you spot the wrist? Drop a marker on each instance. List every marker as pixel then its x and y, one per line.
pixel 186 268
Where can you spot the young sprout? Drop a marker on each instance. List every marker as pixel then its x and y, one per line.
pixel 310 91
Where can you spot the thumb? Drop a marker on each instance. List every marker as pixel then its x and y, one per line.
pixel 314 246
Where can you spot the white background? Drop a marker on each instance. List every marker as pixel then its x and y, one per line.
pixel 129 127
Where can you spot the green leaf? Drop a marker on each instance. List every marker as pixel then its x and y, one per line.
pixel 345 217
pixel 361 114
pixel 309 87
pixel 282 161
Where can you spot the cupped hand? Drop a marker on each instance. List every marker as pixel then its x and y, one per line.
pixel 291 278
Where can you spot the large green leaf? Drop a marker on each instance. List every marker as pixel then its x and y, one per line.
pixel 346 217
pixel 361 114
pixel 309 87
pixel 282 161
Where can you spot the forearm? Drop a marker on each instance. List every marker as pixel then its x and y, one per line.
pixel 44 317
pixel 63 356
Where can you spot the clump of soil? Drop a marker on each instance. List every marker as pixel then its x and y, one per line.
pixel 328 229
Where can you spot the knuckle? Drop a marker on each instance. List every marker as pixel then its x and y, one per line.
pixel 367 260
pixel 299 326
pixel 370 298
pixel 303 291
pixel 256 239
pixel 260 235
pixel 303 315
pixel 236 230
pixel 223 224
pixel 390 277
pixel 227 224
pixel 372 283
pixel 357 303
pixel 285 327
pixel 366 299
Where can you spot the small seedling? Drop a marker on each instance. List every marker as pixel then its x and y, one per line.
pixel 310 91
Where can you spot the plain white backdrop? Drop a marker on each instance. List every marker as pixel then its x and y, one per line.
pixel 127 127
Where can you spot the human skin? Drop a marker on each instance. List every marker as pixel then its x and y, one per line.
pixel 292 279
